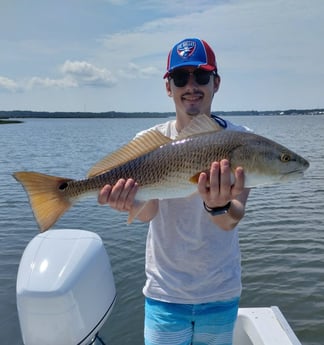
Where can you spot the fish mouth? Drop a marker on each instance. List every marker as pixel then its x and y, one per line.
pixel 291 175
pixel 298 172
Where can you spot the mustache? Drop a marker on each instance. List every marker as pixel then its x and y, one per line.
pixel 194 93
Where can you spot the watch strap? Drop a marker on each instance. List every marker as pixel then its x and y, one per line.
pixel 216 211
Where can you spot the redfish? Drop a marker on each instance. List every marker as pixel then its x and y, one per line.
pixel 166 168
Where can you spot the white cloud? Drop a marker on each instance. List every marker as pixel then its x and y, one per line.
pixel 86 74
pixel 133 71
pixel 9 85
pixel 75 74
pixel 48 83
pixel 117 2
pixel 168 7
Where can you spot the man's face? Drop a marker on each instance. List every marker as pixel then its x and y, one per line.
pixel 192 90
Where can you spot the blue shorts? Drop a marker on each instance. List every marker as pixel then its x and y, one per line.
pixel 185 324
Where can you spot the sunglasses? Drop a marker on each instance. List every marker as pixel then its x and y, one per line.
pixel 181 77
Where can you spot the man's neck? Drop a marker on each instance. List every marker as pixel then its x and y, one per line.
pixel 183 120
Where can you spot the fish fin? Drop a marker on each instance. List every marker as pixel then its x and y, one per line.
pixel 145 143
pixel 46 199
pixel 198 125
pixel 194 179
pixel 132 215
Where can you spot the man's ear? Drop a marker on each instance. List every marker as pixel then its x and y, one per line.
pixel 217 81
pixel 168 88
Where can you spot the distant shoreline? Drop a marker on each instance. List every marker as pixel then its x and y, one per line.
pixel 8 122
pixel 5 115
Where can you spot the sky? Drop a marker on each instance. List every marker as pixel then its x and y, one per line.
pixel 110 55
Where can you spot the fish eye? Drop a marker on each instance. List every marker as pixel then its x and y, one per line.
pixel 285 157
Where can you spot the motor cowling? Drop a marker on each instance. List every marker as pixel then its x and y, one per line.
pixel 65 288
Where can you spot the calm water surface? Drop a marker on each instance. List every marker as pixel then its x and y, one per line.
pixel 282 235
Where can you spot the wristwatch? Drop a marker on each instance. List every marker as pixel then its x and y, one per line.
pixel 217 211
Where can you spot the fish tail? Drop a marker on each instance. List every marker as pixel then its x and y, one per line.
pixel 46 196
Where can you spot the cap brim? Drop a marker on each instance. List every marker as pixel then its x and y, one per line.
pixel 197 64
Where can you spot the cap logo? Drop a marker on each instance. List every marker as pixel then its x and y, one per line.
pixel 185 49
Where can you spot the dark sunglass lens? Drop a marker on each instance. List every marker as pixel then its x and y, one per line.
pixel 180 78
pixel 202 77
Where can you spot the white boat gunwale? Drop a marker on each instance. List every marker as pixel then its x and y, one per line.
pixel 263 326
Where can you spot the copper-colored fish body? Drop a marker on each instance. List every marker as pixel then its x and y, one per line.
pixel 165 168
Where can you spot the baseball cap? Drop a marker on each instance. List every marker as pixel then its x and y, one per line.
pixel 191 52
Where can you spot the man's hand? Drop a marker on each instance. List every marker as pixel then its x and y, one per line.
pixel 121 196
pixel 219 189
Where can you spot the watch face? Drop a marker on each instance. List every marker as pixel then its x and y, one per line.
pixel 216 213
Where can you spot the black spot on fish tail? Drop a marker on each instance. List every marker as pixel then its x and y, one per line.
pixel 63 186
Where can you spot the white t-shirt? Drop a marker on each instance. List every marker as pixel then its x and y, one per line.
pixel 189 259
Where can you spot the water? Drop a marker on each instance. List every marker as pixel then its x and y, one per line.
pixel 282 235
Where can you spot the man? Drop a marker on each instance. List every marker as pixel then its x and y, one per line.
pixel 192 253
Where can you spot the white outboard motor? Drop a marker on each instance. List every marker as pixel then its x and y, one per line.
pixel 65 288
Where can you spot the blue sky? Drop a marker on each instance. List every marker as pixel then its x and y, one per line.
pixel 102 55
